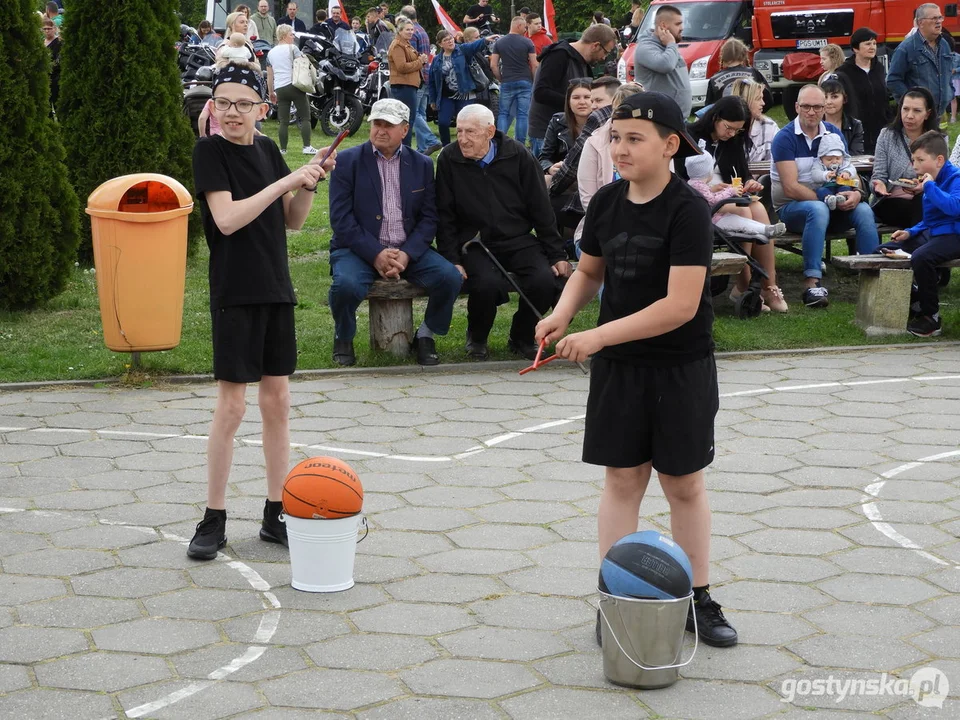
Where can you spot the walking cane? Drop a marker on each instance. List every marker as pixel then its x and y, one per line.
pixel 477 241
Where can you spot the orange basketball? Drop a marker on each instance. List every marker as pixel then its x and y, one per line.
pixel 322 487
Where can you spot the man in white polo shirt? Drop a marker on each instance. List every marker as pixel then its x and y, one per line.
pixel 794 152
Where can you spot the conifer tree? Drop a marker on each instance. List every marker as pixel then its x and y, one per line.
pixel 121 99
pixel 39 213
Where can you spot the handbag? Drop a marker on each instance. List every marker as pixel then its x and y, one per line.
pixel 304 73
pixel 480 79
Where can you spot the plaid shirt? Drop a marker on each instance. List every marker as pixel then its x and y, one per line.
pixel 567 174
pixel 421 43
pixel 392 233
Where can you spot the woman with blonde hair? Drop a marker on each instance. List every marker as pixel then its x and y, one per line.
pixel 761 128
pixel 237 22
pixel 284 93
pixel 831 57
pixel 406 65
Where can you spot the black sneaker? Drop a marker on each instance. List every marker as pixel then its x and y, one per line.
pixel 271 529
pixel 711 624
pixel 210 536
pixel 816 297
pixel 925 325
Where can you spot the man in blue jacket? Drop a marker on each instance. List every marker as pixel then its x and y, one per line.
pixel 936 238
pixel 923 59
pixel 384 217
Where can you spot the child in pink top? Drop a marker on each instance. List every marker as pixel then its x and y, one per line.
pixel 729 217
pixel 205 115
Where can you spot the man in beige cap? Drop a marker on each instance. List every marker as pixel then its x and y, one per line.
pixel 384 217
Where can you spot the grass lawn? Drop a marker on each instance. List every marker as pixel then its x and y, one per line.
pixel 62 340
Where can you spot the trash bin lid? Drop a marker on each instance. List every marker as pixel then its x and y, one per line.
pixel 141 197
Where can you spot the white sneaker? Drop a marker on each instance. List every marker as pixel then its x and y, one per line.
pixel 309 150
pixel 283 152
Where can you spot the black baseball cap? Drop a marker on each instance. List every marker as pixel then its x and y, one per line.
pixel 662 110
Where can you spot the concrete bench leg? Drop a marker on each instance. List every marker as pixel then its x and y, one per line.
pixel 391 325
pixel 883 304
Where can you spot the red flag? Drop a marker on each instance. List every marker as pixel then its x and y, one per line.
pixel 444 19
pixel 331 4
pixel 549 23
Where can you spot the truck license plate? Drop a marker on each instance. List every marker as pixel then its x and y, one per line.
pixel 811 43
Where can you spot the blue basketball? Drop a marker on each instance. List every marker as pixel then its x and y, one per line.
pixel 646 565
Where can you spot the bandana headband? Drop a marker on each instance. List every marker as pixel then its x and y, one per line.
pixel 243 76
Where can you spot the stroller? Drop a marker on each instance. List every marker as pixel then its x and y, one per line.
pixel 750 303
pixel 196 92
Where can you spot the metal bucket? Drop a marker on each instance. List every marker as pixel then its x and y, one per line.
pixel 643 640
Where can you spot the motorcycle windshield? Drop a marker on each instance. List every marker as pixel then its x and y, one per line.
pixel 346 42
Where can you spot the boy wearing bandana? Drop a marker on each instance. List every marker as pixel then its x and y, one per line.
pixel 248 198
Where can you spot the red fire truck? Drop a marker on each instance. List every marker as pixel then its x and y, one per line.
pixel 775 28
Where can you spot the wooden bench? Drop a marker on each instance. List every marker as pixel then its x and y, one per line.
pixel 883 298
pixel 792 242
pixel 391 306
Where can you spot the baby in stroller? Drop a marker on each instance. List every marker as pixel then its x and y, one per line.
pixel 731 218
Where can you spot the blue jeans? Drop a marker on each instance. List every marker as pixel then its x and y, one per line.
pixel 515 102
pixel 352 277
pixel 536 144
pixel 447 110
pixel 407 94
pixel 425 136
pixel 811 218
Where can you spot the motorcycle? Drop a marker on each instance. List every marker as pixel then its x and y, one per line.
pixel 376 83
pixel 335 104
pixel 193 56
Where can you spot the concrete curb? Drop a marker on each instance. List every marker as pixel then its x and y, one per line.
pixel 445 368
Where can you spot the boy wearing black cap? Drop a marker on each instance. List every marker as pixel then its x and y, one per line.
pixel 653 387
pixel 248 198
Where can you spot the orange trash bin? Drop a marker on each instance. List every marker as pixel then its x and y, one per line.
pixel 139 227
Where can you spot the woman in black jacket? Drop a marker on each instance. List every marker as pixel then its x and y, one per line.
pixel 564 127
pixel 864 73
pixel 562 132
pixel 837 113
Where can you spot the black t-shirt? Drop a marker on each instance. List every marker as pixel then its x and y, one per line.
pixel 514 51
pixel 250 266
pixel 639 244
pixel 481 13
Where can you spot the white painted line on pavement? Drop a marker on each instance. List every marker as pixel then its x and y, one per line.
pixel 872 511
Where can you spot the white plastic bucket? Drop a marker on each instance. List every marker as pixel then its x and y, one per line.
pixel 322 552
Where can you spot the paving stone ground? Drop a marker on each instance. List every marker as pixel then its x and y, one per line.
pixel 836 497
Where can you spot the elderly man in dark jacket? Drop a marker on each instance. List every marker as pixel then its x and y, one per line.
pixel 488 185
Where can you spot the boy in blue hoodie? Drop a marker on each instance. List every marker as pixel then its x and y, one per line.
pixel 936 238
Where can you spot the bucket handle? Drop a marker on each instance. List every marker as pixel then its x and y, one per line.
pixel 366 528
pixel 696 641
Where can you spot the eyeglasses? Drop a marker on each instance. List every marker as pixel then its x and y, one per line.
pixel 810 108
pixel 580 82
pixel 243 106
pixel 608 50
pixel 730 129
pixel 935 18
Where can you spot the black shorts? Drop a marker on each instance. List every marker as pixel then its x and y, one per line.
pixel 638 414
pixel 250 341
